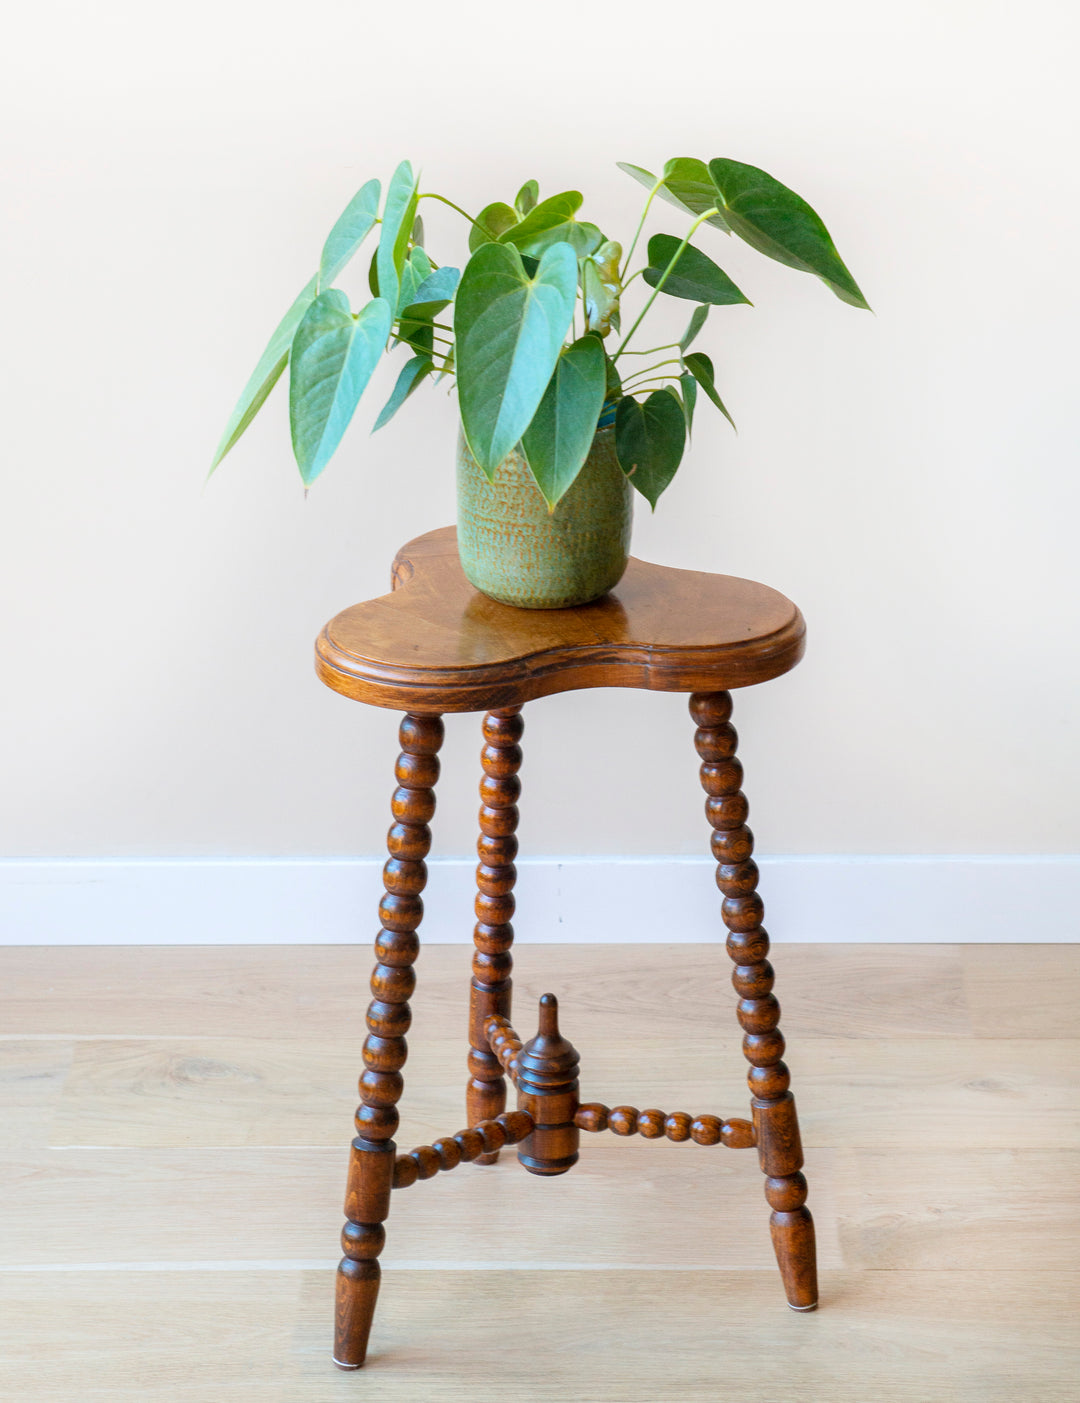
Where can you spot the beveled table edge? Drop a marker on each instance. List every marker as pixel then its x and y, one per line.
pixel 551 670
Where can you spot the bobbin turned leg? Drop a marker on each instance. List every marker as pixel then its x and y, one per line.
pixel 371 1163
pixel 777 1126
pixel 493 935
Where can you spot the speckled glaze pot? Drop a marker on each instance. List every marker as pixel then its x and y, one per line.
pixel 516 551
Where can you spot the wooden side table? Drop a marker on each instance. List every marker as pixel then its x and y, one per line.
pixel 436 645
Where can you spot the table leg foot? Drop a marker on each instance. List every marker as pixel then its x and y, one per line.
pixel 356 1293
pixel 792 1231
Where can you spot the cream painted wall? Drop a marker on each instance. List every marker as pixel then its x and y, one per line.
pixel 910 477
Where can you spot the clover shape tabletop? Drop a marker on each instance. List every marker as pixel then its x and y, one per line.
pixel 437 644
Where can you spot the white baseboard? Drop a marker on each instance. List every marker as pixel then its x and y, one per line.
pixel 571 900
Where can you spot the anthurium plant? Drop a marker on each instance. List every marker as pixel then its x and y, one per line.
pixel 531 330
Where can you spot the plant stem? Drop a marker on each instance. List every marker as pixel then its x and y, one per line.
pixel 641 225
pixel 658 384
pixel 664 277
pixel 400 339
pixel 653 349
pixel 652 370
pixel 431 195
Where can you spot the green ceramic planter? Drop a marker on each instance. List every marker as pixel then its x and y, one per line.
pixel 516 551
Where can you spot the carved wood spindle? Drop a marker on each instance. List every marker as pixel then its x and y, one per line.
pixel 493 935
pixel 447 1153
pixel 773 1107
pixel 594 1116
pixel 371 1164
pixel 547 1082
pixel 504 1043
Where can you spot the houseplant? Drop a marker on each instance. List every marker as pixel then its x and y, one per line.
pixel 557 426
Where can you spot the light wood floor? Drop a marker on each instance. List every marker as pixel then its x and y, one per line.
pixel 175 1124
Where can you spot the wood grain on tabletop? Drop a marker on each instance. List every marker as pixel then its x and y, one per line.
pixel 436 644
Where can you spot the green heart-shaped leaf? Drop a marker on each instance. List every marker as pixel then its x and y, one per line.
pixel 354 225
pixel 640 174
pixel 694 276
pixel 415 320
pixel 689 187
pixel 397 223
pixel 649 442
pixel 780 224
pixel 685 184
pixel 412 373
pixel 697 321
pixel 613 387
pixel 689 399
pixel 701 368
pixel 493 220
pixel 333 355
pixel 527 197
pixel 600 288
pixel 509 329
pixel 416 270
pixel 552 221
pixel 558 440
pixel 584 238
pixel 434 293
pixel 548 214
pixel 267 373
